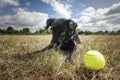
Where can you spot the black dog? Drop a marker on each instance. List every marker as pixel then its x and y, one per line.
pixel 63 35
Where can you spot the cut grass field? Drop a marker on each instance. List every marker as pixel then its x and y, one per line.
pixel 19 62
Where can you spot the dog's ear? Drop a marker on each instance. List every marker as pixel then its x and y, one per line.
pixel 71 24
pixel 49 22
pixel 75 25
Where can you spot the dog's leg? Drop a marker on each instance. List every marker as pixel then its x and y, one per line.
pixel 53 41
pixel 70 55
pixel 47 48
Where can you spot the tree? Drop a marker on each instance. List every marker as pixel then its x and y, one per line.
pixel 16 31
pixel 41 31
pixel 37 32
pixel 80 31
pixel 106 32
pixel 87 32
pixel 10 29
pixel 2 31
pixel 26 30
pixel 118 32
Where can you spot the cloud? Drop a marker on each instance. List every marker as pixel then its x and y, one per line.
pixel 114 9
pixel 62 10
pixel 100 19
pixel 9 2
pixel 23 18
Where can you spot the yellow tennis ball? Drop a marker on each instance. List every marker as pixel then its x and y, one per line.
pixel 94 60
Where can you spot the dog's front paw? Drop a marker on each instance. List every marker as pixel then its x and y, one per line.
pixel 69 60
pixel 43 50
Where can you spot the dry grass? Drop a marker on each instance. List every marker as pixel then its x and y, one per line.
pixel 19 62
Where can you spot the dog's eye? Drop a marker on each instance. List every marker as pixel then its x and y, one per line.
pixel 63 33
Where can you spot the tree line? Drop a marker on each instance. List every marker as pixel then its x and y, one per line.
pixel 99 32
pixel 11 30
pixel 26 31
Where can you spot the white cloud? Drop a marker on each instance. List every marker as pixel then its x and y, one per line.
pixel 24 18
pixel 100 19
pixel 84 19
pixel 62 10
pixel 114 9
pixel 9 2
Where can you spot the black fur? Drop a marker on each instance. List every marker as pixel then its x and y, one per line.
pixel 66 41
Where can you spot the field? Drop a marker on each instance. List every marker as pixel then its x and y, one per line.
pixel 18 61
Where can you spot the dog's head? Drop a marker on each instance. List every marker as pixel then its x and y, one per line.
pixel 62 28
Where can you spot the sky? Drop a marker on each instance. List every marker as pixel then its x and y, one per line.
pixel 91 15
